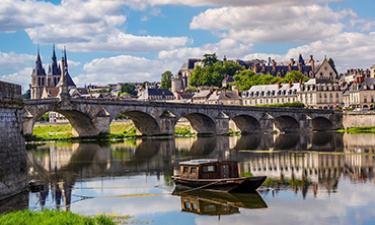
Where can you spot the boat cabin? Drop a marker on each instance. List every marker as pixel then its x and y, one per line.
pixel 208 169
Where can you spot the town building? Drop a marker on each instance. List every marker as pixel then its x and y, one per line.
pixel 201 96
pixel 155 94
pixel 280 70
pixel 224 97
pixel 361 94
pixel 271 94
pixel 322 91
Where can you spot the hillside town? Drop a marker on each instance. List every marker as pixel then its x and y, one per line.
pixel 305 83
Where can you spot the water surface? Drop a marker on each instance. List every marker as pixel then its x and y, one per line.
pixel 324 178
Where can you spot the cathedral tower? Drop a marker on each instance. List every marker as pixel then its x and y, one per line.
pixel 38 79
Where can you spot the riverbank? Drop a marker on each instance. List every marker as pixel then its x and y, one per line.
pixel 118 130
pixel 50 217
pixel 358 130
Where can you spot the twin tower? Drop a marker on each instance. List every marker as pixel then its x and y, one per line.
pixel 53 84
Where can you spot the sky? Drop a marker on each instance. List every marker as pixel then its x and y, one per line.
pixel 110 41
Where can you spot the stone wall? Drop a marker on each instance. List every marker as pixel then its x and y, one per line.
pixel 13 167
pixel 358 119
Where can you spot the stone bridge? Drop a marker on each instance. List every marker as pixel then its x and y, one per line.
pixel 92 117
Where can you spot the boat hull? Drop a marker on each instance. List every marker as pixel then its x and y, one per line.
pixel 237 185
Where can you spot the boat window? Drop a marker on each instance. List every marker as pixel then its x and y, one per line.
pixel 185 169
pixel 193 169
pixel 209 169
pixel 187 205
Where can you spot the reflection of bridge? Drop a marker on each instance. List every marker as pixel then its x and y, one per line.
pixel 90 117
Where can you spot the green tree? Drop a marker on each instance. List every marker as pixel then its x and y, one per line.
pixel 213 75
pixel 166 79
pixel 128 88
pixel 294 76
pixel 245 79
pixel 209 59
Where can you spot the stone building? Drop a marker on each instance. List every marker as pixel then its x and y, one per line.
pixel 224 97
pixel 322 91
pixel 156 94
pixel 271 94
pixel 281 70
pixel 361 94
pixel 49 85
pixel 201 96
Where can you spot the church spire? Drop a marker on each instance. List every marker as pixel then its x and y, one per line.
pixel 39 70
pixel 54 66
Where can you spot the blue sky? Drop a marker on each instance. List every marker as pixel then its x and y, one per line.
pixel 136 40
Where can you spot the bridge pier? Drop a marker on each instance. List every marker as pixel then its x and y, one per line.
pixel 267 124
pixel 222 124
pixel 167 125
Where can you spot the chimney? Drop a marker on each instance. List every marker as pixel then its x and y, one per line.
pixel 269 61
pixel 274 64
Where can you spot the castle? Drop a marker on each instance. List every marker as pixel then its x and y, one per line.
pixel 54 84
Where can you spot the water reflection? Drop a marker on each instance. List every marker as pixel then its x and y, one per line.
pixel 134 177
pixel 217 203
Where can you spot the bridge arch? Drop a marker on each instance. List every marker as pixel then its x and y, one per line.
pixel 201 123
pixel 286 123
pixel 144 122
pixel 246 124
pixel 321 124
pixel 82 123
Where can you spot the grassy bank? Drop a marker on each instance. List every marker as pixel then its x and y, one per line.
pixel 357 130
pixel 118 130
pixel 49 217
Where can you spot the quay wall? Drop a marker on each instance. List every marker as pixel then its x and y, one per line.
pixel 358 119
pixel 13 166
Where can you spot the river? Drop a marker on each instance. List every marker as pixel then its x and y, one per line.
pixel 324 178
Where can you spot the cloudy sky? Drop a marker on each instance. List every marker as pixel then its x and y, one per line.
pixel 135 40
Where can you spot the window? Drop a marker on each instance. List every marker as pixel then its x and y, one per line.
pixel 193 169
pixel 185 169
pixel 208 169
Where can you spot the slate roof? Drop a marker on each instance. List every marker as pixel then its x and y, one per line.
pixel 159 92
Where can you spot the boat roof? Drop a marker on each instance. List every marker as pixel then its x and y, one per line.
pixel 196 162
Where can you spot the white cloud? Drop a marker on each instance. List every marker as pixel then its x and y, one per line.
pixel 122 68
pixel 228 47
pixel 13 61
pixel 252 24
pixel 142 4
pixel 92 25
pixel 21 77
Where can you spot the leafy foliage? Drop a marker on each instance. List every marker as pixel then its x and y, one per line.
pixel 166 79
pixel 245 79
pixel 209 59
pixel 129 89
pixel 281 105
pixel 213 74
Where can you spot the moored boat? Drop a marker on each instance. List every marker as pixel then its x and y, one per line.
pixel 215 175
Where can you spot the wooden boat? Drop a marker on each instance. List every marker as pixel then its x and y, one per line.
pixel 215 175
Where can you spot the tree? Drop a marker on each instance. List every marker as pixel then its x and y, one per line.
pixel 213 75
pixel 128 88
pixel 294 76
pixel 27 94
pixel 209 59
pixel 245 79
pixel 166 79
